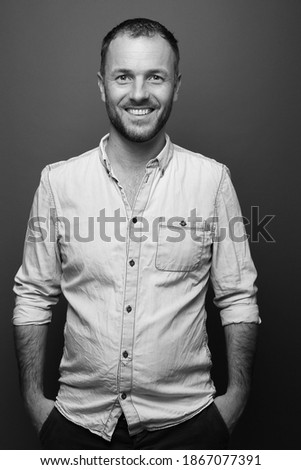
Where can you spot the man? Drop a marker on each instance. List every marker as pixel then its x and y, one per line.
pixel 131 232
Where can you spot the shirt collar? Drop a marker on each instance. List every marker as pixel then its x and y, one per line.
pixel 162 159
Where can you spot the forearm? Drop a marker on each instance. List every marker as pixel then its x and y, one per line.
pixel 241 345
pixel 30 344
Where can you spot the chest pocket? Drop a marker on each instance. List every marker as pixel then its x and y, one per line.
pixel 181 246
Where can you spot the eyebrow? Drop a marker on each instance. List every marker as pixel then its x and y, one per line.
pixel 123 71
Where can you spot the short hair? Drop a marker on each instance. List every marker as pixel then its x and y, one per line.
pixel 137 27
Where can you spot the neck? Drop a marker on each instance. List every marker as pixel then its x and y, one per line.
pixel 133 155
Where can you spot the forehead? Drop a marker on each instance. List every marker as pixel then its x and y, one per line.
pixel 139 54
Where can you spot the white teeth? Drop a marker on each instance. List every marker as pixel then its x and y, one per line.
pixel 139 112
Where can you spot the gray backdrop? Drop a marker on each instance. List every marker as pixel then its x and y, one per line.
pixel 239 104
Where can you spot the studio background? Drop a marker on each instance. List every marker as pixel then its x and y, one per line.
pixel 239 103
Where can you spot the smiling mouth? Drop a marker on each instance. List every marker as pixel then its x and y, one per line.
pixel 139 111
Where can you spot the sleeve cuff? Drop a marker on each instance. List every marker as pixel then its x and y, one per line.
pixel 31 316
pixel 240 313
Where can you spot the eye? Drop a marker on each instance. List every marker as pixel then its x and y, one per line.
pixel 156 78
pixel 123 78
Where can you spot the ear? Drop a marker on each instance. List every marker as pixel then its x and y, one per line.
pixel 177 87
pixel 101 86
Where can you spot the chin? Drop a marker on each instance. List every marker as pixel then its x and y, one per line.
pixel 137 136
pixel 141 135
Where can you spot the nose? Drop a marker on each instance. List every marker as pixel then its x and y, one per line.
pixel 139 91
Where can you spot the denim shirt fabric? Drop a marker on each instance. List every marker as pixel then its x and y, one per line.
pixel 135 281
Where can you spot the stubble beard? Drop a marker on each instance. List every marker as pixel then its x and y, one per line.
pixel 135 132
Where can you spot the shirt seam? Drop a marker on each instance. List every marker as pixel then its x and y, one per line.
pixel 220 185
pixel 53 203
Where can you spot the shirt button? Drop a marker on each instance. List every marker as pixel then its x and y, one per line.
pixel 132 262
pixel 125 354
pixel 134 220
pixel 129 308
pixel 123 395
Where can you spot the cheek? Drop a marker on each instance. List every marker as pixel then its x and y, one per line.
pixel 165 95
pixel 113 94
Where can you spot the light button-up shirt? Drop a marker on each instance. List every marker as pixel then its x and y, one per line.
pixel 135 280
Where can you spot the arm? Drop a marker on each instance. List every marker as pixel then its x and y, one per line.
pixel 37 289
pixel 233 277
pixel 241 346
pixel 30 344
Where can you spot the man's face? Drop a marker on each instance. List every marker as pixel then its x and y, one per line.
pixel 139 86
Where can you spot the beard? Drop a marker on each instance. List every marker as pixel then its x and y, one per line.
pixel 138 132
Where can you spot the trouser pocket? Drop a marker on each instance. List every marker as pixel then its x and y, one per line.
pixel 220 419
pixel 46 426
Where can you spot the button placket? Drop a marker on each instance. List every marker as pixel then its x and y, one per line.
pixel 132 271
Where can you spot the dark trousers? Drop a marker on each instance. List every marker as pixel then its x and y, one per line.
pixel 206 430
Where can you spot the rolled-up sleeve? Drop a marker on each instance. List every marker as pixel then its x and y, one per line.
pixel 233 273
pixel 37 282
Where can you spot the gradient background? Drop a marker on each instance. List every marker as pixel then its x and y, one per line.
pixel 239 104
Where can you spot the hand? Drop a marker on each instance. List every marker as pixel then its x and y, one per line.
pixel 230 405
pixel 39 410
